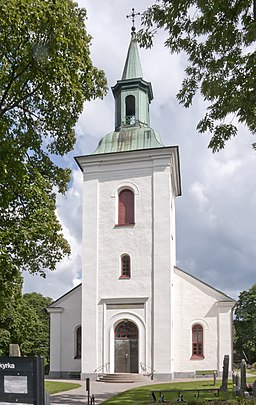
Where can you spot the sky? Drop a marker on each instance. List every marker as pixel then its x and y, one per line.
pixel 215 216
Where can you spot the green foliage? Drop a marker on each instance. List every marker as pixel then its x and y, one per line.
pixel 31 326
pixel 245 323
pixel 5 338
pixel 219 40
pixel 8 297
pixel 26 322
pixel 46 74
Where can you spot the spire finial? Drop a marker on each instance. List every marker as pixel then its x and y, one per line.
pixel 132 16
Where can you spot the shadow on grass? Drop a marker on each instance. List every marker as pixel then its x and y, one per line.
pixel 135 396
pixel 142 395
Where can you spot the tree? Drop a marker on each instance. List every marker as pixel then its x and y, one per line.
pixel 245 324
pixel 9 297
pixel 26 322
pixel 46 74
pixel 31 327
pixel 218 37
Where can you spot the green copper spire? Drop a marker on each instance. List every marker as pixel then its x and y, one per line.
pixel 132 67
pixel 132 98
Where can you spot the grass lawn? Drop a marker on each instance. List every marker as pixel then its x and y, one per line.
pixel 141 395
pixel 53 387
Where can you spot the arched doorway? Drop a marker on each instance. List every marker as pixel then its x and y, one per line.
pixel 126 347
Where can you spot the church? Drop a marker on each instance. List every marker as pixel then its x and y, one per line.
pixel 135 311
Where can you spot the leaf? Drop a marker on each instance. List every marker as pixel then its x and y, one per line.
pixel 46 75
pixel 218 38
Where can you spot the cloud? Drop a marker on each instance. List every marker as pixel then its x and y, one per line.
pixel 216 235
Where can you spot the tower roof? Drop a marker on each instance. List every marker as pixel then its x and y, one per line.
pixel 129 139
pixel 132 67
pixel 132 98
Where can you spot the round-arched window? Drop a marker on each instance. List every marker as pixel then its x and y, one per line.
pixel 197 341
pixel 126 330
pixel 126 207
pixel 130 110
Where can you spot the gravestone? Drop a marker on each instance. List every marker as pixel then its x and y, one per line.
pixel 237 381
pixel 254 390
pixel 224 384
pixel 14 350
pixel 236 385
pixel 243 386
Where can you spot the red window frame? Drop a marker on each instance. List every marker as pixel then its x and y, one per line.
pixel 125 266
pixel 126 207
pixel 197 342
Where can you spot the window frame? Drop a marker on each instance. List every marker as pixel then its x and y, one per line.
pixel 197 345
pixel 126 329
pixel 125 208
pixel 130 110
pixel 122 264
pixel 78 342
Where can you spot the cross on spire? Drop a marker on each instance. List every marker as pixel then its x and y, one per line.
pixel 132 16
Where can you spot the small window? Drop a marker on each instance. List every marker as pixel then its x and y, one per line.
pixel 130 110
pixel 78 338
pixel 126 208
pixel 125 266
pixel 197 341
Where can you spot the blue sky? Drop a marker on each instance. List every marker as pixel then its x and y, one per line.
pixel 216 237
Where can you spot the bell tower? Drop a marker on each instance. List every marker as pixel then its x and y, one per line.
pixel 132 94
pixel 129 252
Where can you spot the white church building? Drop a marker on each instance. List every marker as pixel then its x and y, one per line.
pixel 135 311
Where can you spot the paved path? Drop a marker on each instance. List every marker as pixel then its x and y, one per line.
pixel 101 391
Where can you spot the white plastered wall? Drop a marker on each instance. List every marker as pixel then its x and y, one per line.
pixel 65 318
pixel 149 243
pixel 197 303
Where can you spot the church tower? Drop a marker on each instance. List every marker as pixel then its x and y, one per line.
pixel 135 311
pixel 129 253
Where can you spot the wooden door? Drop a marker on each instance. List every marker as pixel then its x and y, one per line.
pixel 126 348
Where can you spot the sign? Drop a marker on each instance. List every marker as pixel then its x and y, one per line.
pixel 22 380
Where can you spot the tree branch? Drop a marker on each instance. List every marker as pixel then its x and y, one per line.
pixel 13 78
pixel 20 100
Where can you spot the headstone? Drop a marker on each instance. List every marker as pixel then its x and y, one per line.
pixel 243 386
pixel 254 390
pixel 237 381
pixel 224 384
pixel 162 398
pixel 14 350
pixel 236 385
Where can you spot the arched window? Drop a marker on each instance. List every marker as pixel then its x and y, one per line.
pixel 197 341
pixel 78 342
pixel 125 266
pixel 126 330
pixel 126 207
pixel 130 110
